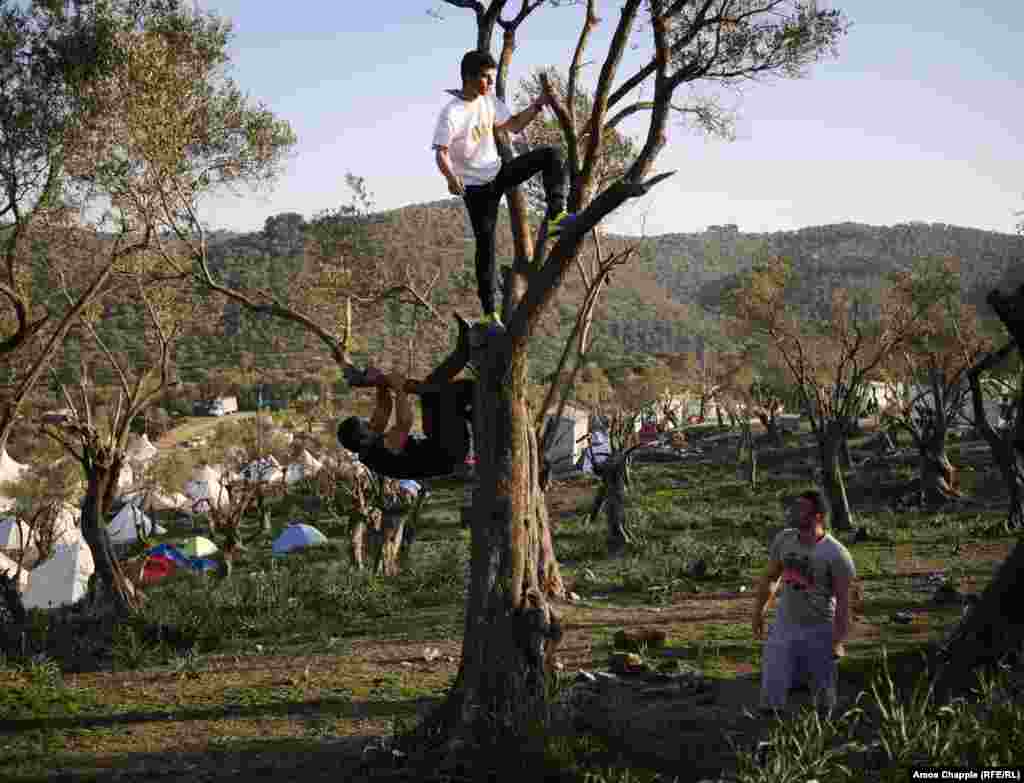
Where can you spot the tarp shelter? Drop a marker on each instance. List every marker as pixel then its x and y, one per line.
pixel 197 546
pixel 15 534
pixel 11 567
pixel 206 485
pixel 298 536
pixel 122 528
pixel 263 469
pixel 563 435
pixel 597 452
pixel 63 579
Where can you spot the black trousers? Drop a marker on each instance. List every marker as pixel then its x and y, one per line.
pixel 482 204
pixel 448 419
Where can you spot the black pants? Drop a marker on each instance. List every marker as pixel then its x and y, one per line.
pixel 448 418
pixel 482 204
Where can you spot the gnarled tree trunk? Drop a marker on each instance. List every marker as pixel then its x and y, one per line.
pixel 1000 443
pixel 996 624
pixel 938 476
pixel 116 588
pixel 830 442
pixel 512 628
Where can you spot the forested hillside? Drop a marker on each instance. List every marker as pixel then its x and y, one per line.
pixel 663 302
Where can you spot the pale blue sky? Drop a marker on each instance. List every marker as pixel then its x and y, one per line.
pixel 920 117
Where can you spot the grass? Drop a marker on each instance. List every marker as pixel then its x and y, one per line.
pixel 292 653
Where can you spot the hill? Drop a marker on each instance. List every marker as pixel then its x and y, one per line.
pixel 662 302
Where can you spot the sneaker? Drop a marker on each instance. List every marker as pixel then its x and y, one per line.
pixel 560 222
pixel 357 377
pixel 494 325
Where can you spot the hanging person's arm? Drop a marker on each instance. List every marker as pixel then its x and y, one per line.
pixel 396 437
pixel 382 413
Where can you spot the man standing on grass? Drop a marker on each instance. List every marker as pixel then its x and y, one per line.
pixel 466 154
pixel 813 618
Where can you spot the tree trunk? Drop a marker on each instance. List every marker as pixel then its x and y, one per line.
pixel 116 587
pixel 829 444
pixel 511 628
pixel 613 476
pixel 1000 443
pixel 994 627
pixel 996 624
pixel 938 476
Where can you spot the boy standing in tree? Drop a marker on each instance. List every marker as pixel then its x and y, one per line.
pixel 467 155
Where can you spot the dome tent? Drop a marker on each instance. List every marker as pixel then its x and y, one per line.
pixel 63 579
pixel 297 536
pixel 197 546
pixel 122 528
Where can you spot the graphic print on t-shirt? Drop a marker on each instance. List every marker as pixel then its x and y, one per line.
pixel 797 571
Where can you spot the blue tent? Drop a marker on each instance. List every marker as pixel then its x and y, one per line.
pixel 297 537
pixel 171 553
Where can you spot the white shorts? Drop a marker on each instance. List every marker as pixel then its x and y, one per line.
pixel 794 653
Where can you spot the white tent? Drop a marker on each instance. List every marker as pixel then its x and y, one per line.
pixel 66 528
pixel 141 450
pixel 9 471
pixel 122 528
pixel 15 534
pixel 63 579
pixel 126 477
pixel 307 466
pixel 155 500
pixel 206 485
pixel 11 567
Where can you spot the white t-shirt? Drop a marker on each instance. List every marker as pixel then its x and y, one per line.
pixel 466 128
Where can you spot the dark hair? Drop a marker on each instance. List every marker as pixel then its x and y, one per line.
pixel 821 504
pixel 475 63
pixel 354 433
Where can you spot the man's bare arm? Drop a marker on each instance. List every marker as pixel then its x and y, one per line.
pixel 841 590
pixel 517 122
pixel 395 438
pixel 444 165
pixel 765 590
pixel 382 413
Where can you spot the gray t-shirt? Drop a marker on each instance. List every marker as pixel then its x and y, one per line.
pixel 806 596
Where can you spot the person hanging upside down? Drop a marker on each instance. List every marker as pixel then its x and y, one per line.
pixel 447 410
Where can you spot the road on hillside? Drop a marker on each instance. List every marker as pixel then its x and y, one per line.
pixel 194 426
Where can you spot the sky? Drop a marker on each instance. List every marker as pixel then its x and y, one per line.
pixel 920 117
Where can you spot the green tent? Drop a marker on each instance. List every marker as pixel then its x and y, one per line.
pixel 197 546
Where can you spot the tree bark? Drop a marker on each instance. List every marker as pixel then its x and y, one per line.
pixel 116 587
pixel 830 441
pixel 613 473
pixel 938 476
pixel 512 628
pixel 1000 443
pixel 994 627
